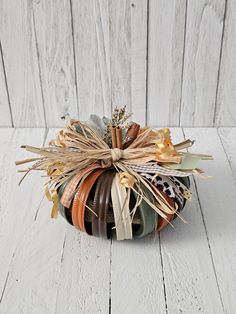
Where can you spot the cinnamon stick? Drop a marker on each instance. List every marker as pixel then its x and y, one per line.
pixel 131 135
pixel 113 136
pixel 119 137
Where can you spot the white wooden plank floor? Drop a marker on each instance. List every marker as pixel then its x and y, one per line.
pixel 49 267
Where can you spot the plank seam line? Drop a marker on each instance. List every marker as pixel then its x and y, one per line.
pixel 147 49
pixel 208 241
pixel 102 41
pixel 39 68
pixel 8 273
pixel 110 61
pixel 220 61
pixel 61 261
pixel 14 252
pixel 183 57
pixel 163 275
pixel 40 203
pixel 37 210
pixel 45 136
pixel 4 287
pixel 63 247
pixel 229 162
pixel 6 84
pixel 74 57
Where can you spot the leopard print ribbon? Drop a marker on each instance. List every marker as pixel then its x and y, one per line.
pixel 167 186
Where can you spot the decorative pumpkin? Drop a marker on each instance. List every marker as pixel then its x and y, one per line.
pixel 108 177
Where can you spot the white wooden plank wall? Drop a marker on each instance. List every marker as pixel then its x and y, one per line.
pixel 171 62
pixel 225 109
pixel 204 27
pixel 165 61
pixel 20 58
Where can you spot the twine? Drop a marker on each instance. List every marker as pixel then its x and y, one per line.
pixel 116 154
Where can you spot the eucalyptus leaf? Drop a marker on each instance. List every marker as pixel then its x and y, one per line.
pixel 188 162
pixel 96 123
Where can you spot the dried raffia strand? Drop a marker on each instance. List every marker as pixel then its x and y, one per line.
pixel 78 146
pixel 80 155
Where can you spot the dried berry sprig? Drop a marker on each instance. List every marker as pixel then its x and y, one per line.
pixel 107 135
pixel 119 117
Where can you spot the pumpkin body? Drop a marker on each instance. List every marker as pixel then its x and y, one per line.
pixel 102 207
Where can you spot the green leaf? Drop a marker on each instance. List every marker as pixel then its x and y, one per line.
pixel 188 162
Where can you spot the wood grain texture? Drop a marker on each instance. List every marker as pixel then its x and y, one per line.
pixel 128 41
pixel 110 52
pixel 228 136
pixel 139 33
pixel 5 138
pixel 165 60
pixel 204 26
pixel 170 62
pixel 92 56
pixel 217 199
pixel 226 98
pixel 38 245
pixel 49 267
pixel 21 63
pixel 85 274
pixel 190 281
pixel 17 211
pixel 53 33
pixel 136 277
pixel 55 269
pixel 5 114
